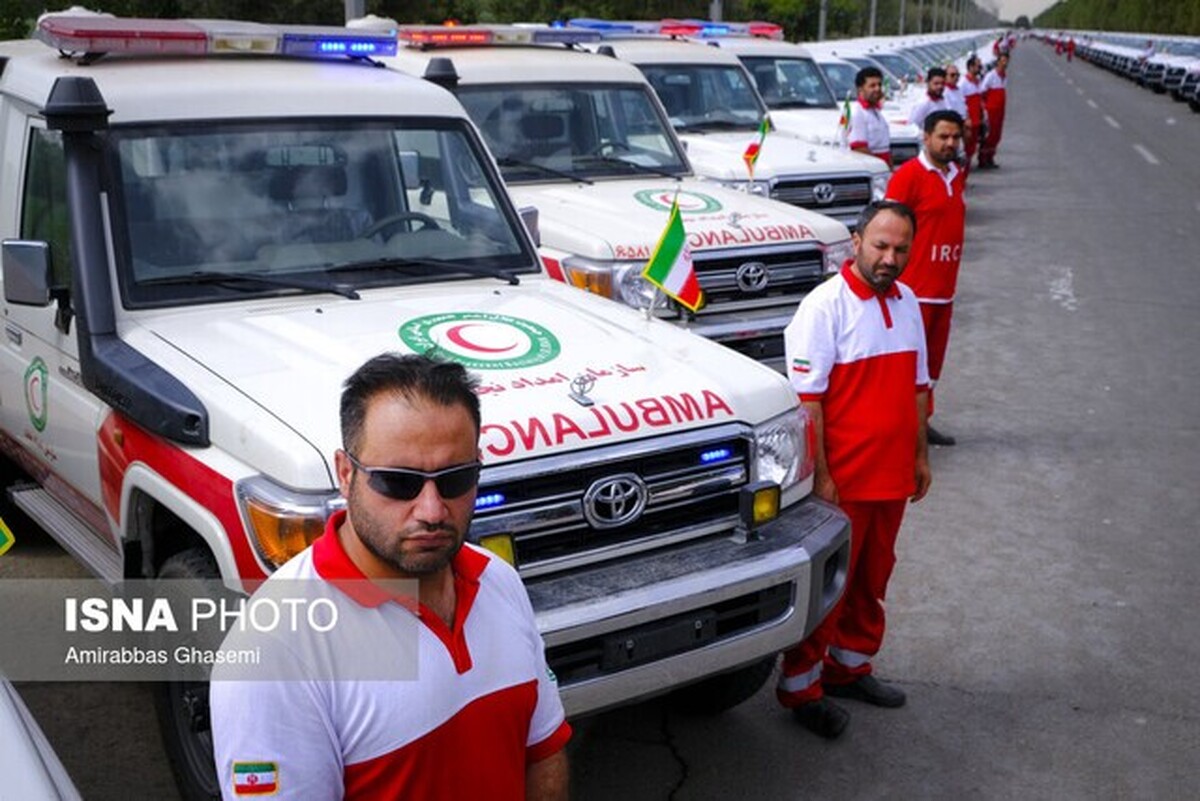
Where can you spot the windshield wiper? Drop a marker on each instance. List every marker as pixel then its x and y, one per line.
pixel 722 125
pixel 801 104
pixel 570 176
pixel 636 167
pixel 428 266
pixel 240 280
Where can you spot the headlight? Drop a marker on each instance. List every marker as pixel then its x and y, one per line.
pixel 879 185
pixel 283 522
pixel 837 254
pixel 618 280
pixel 760 188
pixel 779 450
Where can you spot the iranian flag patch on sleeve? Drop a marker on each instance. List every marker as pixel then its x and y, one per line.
pixel 255 778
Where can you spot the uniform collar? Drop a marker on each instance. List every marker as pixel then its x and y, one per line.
pixel 949 174
pixel 860 288
pixel 333 564
pixel 866 105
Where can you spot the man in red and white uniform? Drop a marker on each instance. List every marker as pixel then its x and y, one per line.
pixel 868 129
pixel 932 186
pixel 856 355
pixel 994 90
pixel 972 88
pixel 935 97
pixel 477 713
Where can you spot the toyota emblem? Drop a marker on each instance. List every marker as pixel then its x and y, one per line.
pixel 753 276
pixel 615 501
pixel 824 193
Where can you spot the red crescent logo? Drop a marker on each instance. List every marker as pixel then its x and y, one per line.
pixel 455 335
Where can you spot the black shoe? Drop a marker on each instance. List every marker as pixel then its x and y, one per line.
pixel 936 437
pixel 869 690
pixel 823 718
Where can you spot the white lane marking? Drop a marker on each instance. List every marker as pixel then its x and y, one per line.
pixel 1070 82
pixel 1170 120
pixel 1062 290
pixel 1112 122
pixel 1093 103
pixel 1146 154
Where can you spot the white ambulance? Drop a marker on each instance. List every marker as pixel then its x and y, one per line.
pixel 207 226
pixel 798 96
pixel 583 139
pixel 713 106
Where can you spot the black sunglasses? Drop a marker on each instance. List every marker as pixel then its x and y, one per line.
pixel 403 484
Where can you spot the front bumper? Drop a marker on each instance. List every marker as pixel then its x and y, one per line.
pixel 639 627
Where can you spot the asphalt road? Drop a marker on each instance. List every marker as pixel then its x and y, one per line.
pixel 1043 615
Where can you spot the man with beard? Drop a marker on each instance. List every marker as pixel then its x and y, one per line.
pixel 994 89
pixel 972 93
pixel 932 186
pixel 934 99
pixel 867 129
pixel 856 356
pixel 480 716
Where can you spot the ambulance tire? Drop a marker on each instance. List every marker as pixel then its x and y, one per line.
pixel 182 706
pixel 723 692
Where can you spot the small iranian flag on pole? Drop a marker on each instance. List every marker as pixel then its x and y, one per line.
pixel 255 778
pixel 755 147
pixel 670 266
pixel 844 123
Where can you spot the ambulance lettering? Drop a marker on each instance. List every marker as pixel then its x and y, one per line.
pixel 747 235
pixel 601 421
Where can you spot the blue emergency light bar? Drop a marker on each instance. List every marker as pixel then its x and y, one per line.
pixel 489 501
pixel 100 34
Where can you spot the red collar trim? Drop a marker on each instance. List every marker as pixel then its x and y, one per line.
pixel 859 287
pixel 333 564
pixel 866 105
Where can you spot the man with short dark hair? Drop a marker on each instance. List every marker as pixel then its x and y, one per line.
pixel 994 89
pixel 482 717
pixel 932 186
pixel 856 357
pixel 934 99
pixel 867 129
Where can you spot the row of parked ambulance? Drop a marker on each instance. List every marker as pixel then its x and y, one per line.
pixel 566 111
pixel 1162 64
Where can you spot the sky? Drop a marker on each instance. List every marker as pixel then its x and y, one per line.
pixel 1011 9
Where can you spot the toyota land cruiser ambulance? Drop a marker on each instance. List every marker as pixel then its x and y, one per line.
pixel 208 225
pixel 713 106
pixel 798 96
pixel 583 138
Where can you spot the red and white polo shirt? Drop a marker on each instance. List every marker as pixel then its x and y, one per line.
pixel 926 106
pixel 482 706
pixel 936 198
pixel 869 129
pixel 862 356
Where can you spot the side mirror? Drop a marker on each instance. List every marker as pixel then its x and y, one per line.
pixel 26 266
pixel 529 216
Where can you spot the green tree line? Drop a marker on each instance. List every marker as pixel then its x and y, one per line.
pixel 799 18
pixel 1180 17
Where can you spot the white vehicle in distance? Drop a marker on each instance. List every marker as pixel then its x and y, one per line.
pixel 713 106
pixel 583 139
pixel 800 99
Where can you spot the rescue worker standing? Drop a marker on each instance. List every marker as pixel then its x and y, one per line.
pixel 868 130
pixel 972 89
pixel 856 356
pixel 934 99
pixel 932 186
pixel 994 89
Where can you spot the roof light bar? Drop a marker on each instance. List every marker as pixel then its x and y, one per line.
pixel 460 35
pixel 92 34
pixel 617 27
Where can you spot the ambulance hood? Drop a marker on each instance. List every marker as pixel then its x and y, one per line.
pixel 624 219
pixel 270 373
pixel 720 156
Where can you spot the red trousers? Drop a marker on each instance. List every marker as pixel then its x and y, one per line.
pixel 840 649
pixel 995 109
pixel 971 140
pixel 936 317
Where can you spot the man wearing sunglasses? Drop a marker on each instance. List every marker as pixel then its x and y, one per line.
pixel 482 718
